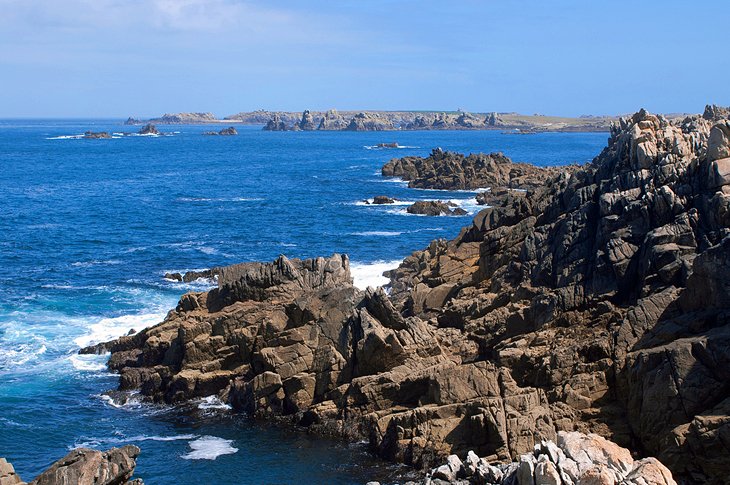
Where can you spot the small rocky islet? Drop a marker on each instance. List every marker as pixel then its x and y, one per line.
pixel 578 324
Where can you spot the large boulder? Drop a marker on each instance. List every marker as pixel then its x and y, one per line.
pixel 84 466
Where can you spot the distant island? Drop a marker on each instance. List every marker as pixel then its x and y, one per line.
pixel 333 120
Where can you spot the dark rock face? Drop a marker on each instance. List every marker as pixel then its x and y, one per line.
pixel 96 135
pixel 133 121
pixel 383 199
pixel 149 129
pixel 716 113
pixel 595 302
pixel 84 466
pixel 454 171
pixel 435 208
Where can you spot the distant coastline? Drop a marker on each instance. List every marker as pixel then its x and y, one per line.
pixel 333 120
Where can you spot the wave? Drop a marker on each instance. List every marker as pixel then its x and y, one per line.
pixel 392 180
pixel 371 274
pixel 92 363
pixel 219 199
pixel 209 448
pixel 110 328
pixel 95 262
pixel 377 233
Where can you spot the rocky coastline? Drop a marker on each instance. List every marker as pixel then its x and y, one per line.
pixel 333 120
pixel 594 302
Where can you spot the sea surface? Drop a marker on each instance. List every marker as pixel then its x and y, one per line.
pixel 88 228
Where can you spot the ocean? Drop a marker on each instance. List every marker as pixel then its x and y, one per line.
pixel 89 228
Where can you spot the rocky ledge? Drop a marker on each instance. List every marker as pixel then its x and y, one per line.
pixel 453 171
pixel 596 302
pixel 435 208
pixel 83 466
pixel 230 131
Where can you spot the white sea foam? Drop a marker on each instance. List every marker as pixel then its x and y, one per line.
pixel 96 262
pixel 65 137
pixel 377 233
pixel 371 274
pixel 219 199
pixel 110 328
pixel 209 448
pixel 376 147
pixel 212 403
pixel 392 180
pixel 90 362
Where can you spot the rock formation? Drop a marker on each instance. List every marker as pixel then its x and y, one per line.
pixel 275 124
pixel 596 302
pixel 149 129
pixel 382 199
pixel 435 208
pixel 191 276
pixel 575 459
pixel 332 121
pixel 83 466
pixel 96 135
pixel 230 131
pixel 369 122
pixel 307 122
pixel 454 171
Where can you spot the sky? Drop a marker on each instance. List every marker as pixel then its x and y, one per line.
pixel 119 58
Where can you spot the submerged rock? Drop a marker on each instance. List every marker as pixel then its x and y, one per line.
pixel 382 199
pixel 230 131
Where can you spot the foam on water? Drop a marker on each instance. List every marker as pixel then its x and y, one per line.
pixel 371 274
pixel 209 448
pixel 111 328
pixel 89 362
pixel 212 403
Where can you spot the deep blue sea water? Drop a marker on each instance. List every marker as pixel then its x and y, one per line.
pixel 89 227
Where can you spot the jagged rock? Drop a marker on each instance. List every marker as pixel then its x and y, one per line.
pixel 230 131
pixel 716 113
pixel 276 124
pixel 84 466
pixel 190 276
pixel 576 459
pixel 332 120
pixel 183 118
pixel 369 122
pixel 307 122
pixel 435 208
pixel 149 129
pixel 133 121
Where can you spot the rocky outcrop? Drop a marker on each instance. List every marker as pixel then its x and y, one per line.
pixel 435 208
pixel 716 113
pixel 230 131
pixel 332 121
pixel 96 135
pixel 83 466
pixel 276 124
pixel 369 122
pixel 190 276
pixel 577 458
pixel 454 171
pixel 381 199
pixel 307 122
pixel 133 121
pixel 595 302
pixel 149 129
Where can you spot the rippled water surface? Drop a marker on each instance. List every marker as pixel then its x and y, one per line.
pixel 89 227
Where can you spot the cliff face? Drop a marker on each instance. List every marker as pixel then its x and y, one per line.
pixel 597 302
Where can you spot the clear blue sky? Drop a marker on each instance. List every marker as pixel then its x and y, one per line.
pixel 114 58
